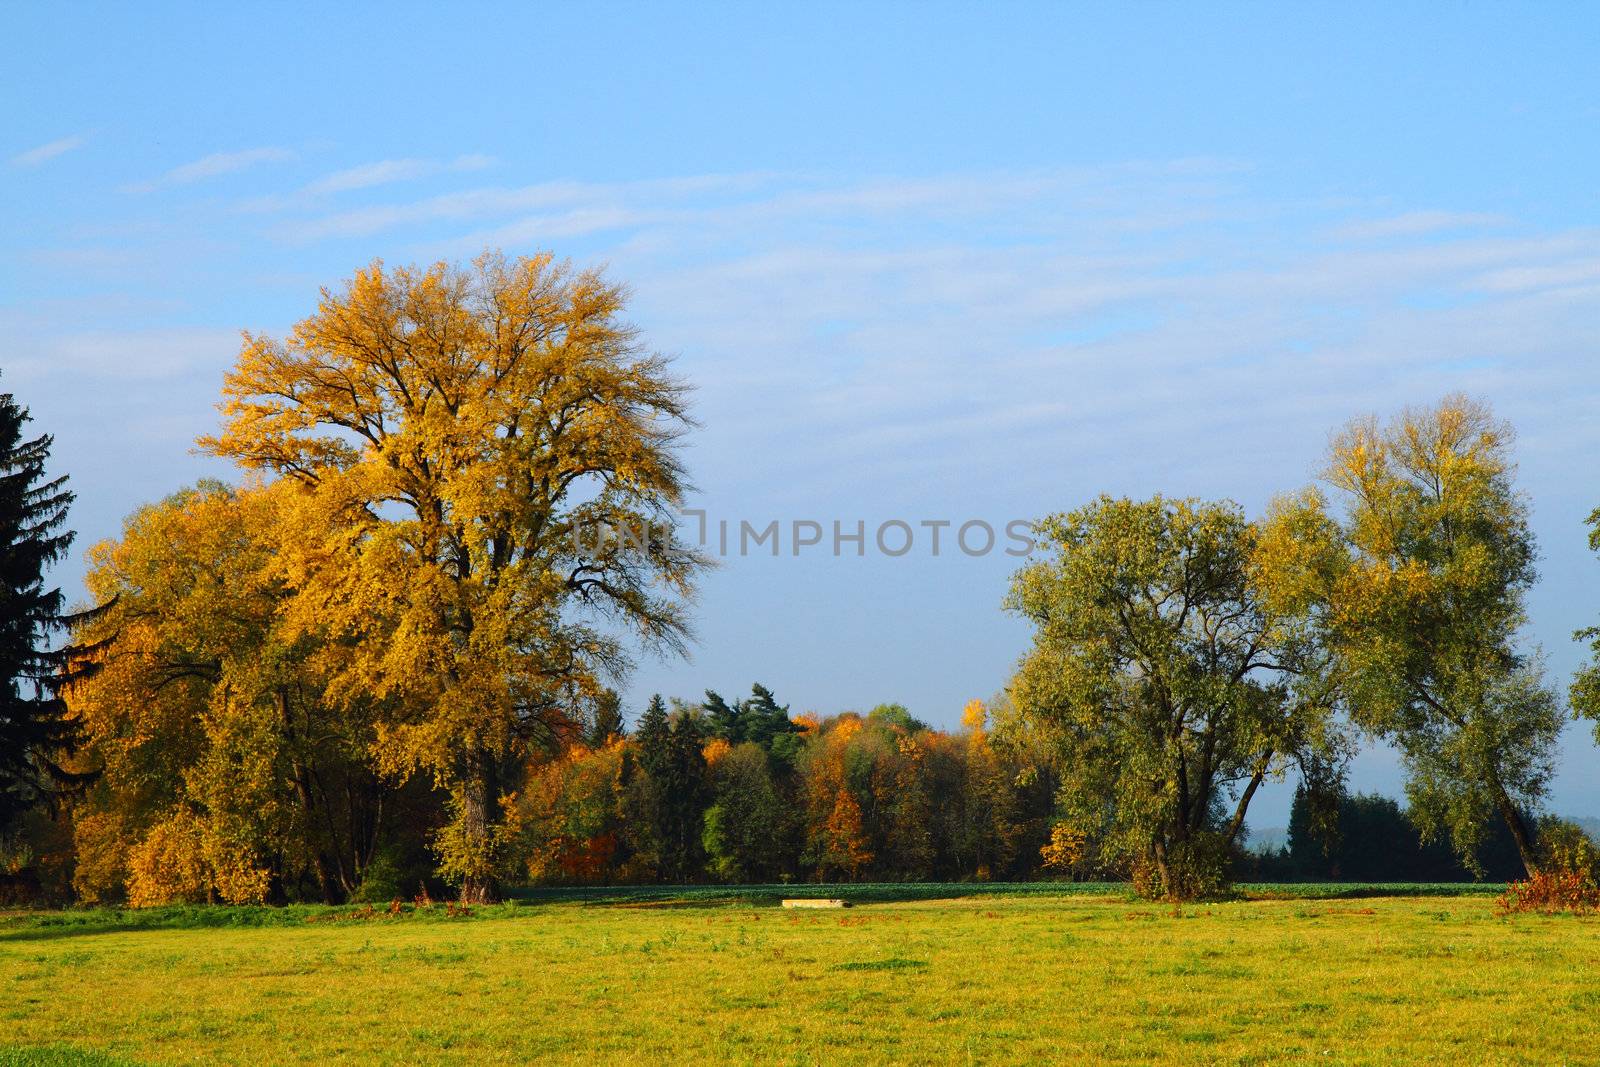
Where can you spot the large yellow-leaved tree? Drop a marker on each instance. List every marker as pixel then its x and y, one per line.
pixel 465 438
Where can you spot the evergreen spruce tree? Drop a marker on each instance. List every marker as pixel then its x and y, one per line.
pixel 606 721
pixel 675 768
pixel 686 797
pixel 654 735
pixel 764 718
pixel 726 720
pixel 36 733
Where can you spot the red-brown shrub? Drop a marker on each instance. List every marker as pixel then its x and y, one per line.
pixel 1550 891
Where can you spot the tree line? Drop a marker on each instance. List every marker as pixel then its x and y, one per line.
pixel 386 656
pixel 1371 838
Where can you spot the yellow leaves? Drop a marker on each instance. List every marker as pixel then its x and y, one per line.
pixel 565 816
pixel 100 848
pixel 845 843
pixel 435 435
pixel 168 866
pixel 1296 553
pixel 188 717
pixel 1064 849
pixel 445 423
pixel 715 750
pixel 183 860
pixel 1432 521
pixel 844 728
pixel 974 716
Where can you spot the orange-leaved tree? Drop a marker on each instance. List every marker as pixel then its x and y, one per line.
pixel 489 463
pixel 192 718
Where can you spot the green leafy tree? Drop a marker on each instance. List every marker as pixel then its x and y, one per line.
pixel 746 827
pixel 1417 584
pixel 1585 692
pixel 897 716
pixel 1171 687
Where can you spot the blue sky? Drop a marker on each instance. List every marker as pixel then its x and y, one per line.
pixel 922 262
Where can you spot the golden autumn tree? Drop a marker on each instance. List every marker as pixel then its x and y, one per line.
pixel 837 841
pixel 845 844
pixel 488 463
pixel 200 712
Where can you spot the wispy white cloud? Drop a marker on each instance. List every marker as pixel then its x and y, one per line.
pixel 216 165
pixel 1527 277
pixel 370 174
pixel 1415 223
pixel 389 171
pixel 122 356
pixel 907 333
pixel 489 203
pixel 33 157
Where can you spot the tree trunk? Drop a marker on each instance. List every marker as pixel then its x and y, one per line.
pixel 1519 830
pixel 479 793
pixel 326 880
pixel 1260 772
pixel 1160 853
pixel 308 808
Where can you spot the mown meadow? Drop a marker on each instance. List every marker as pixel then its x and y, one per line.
pixel 909 975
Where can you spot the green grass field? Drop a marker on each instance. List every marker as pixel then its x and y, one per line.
pixel 911 975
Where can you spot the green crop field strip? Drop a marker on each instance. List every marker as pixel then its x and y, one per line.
pixel 1003 976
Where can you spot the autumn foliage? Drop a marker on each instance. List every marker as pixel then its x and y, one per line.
pixel 1567 878
pixel 458 441
pixel 849 798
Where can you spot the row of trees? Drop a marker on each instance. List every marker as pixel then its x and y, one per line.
pixel 390 649
pixel 741 792
pixel 1371 838
pixel 1184 653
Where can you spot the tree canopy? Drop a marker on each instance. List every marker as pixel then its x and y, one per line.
pixel 1416 579
pixel 1172 686
pixel 462 439
pixel 392 656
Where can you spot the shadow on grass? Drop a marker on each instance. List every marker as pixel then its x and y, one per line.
pixel 1364 890
pixel 57 1056
pixel 770 896
pixel 75 922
